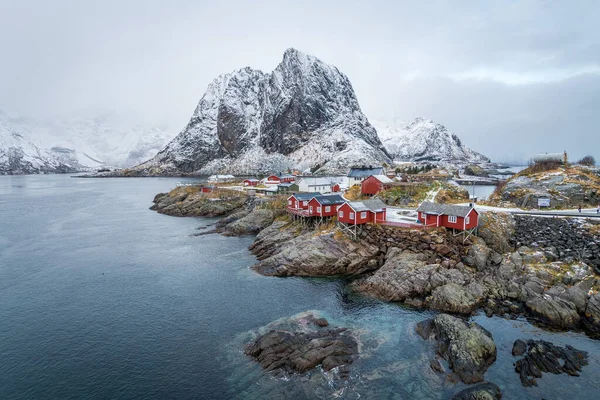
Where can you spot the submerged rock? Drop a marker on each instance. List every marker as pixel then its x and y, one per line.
pixel 468 348
pixel 482 391
pixel 543 356
pixel 305 345
pixel 519 347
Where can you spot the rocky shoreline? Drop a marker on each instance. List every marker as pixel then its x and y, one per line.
pixel 545 269
pixel 542 268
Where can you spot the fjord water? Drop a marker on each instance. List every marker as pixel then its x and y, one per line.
pixel 102 298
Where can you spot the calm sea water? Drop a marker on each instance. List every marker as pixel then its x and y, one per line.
pixel 102 298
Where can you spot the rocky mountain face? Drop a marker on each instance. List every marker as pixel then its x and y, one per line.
pixel 301 115
pixel 424 140
pixel 29 146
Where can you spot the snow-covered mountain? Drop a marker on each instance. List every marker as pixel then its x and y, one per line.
pixel 74 144
pixel 302 114
pixel 424 140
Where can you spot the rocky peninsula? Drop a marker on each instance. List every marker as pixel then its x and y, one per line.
pixel 543 268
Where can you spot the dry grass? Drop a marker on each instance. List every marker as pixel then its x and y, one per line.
pixel 354 193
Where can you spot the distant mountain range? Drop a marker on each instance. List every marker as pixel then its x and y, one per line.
pixel 302 115
pixel 424 140
pixel 74 144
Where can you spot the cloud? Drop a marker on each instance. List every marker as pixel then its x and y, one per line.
pixel 511 69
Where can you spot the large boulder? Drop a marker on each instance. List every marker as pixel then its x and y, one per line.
pixel 468 348
pixel 456 298
pixel 592 314
pixel 553 311
pixel 251 223
pixel 496 229
pixel 302 346
pixel 482 391
pixel 406 275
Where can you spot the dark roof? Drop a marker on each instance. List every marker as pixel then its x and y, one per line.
pixel 444 209
pixel 364 172
pixel 306 196
pixel 286 184
pixel 331 199
pixel 367 205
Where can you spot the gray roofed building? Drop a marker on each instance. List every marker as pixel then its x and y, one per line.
pixel 305 196
pixel 444 209
pixel 329 200
pixel 367 205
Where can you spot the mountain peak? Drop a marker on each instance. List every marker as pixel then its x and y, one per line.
pixel 424 140
pixel 302 114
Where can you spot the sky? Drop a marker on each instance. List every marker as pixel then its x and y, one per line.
pixel 511 78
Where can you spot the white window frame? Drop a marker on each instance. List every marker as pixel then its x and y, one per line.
pixel 328 209
pixel 467 220
pixel 341 214
pixel 363 214
pixel 351 215
pixel 310 209
pixel 452 219
pixel 289 202
pixel 304 203
pixel 319 209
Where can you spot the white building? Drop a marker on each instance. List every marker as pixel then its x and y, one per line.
pixel 315 184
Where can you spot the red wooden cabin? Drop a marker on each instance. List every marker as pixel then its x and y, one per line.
pixel 251 182
pixel 325 206
pixel 452 216
pixel 375 184
pixel 336 188
pixel 362 212
pixel 299 201
pixel 277 179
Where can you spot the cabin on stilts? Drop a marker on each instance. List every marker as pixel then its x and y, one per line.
pixel 463 219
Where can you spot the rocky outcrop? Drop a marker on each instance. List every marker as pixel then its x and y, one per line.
pixel 468 348
pixel 566 187
pixel 303 345
pixel 456 298
pixel 553 311
pixel 189 201
pixel 248 223
pixel 284 249
pixel 497 229
pixel 475 170
pixel 543 356
pixel 482 391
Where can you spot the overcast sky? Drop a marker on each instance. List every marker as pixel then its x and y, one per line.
pixel 511 78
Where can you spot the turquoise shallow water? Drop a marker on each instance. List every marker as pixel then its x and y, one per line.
pixel 102 298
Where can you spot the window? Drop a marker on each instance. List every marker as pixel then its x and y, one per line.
pixel 341 214
pixel 318 209
pixel 327 209
pixel 452 219
pixel 467 220
pixel 310 209
pixel 363 215
pixel 304 203
pixel 351 215
pixel 289 202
